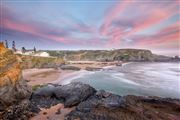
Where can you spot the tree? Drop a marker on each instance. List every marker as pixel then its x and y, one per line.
pixel 13 46
pixel 6 44
pixel 34 49
pixel 23 50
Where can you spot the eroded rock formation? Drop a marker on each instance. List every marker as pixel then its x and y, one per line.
pixel 13 89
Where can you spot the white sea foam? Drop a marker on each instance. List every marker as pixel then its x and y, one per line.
pixel 120 77
pixel 159 79
pixel 68 79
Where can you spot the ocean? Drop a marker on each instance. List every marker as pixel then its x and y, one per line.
pixel 142 79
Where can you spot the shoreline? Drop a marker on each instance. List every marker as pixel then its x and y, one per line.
pixel 43 76
pixel 40 76
pixel 132 74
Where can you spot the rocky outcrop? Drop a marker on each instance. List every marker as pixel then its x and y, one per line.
pixel 21 111
pixel 74 93
pixel 101 105
pixel 107 106
pixel 68 67
pixel 71 94
pixel 93 68
pixel 13 88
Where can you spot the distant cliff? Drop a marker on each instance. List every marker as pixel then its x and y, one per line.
pixel 12 88
pixel 106 55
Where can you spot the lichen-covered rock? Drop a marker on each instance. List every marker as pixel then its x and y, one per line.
pixel 13 88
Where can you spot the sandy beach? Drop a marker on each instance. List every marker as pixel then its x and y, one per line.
pixel 57 112
pixel 50 75
pixel 43 76
pixel 95 64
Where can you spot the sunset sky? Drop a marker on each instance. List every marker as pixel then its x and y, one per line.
pixel 95 24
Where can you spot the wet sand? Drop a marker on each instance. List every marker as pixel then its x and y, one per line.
pixel 57 112
pixel 95 64
pixel 43 76
pixel 50 75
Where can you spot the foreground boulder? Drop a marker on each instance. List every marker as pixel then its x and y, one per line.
pixel 71 94
pixel 74 93
pixel 45 97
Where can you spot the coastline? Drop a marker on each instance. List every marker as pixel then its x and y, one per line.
pixel 131 76
pixel 40 76
pixel 43 76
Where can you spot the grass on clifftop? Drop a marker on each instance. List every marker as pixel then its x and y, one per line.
pixel 40 62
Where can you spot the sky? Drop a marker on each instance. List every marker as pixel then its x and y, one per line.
pixel 92 24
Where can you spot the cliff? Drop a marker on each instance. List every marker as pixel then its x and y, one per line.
pixel 106 55
pixel 12 87
pixel 28 62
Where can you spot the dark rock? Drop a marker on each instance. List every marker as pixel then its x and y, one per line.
pixel 46 91
pixel 45 97
pixel 70 94
pixel 93 69
pixel 107 106
pixel 21 111
pixel 58 111
pixel 74 93
pixel 44 113
pixel 68 67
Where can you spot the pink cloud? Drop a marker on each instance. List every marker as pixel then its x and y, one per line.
pixel 9 21
pixel 114 12
pixel 156 16
pixel 30 29
pixel 166 36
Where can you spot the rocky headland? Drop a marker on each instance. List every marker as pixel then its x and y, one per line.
pixel 133 55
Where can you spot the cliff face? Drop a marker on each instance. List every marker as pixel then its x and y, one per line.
pixel 106 55
pixel 12 87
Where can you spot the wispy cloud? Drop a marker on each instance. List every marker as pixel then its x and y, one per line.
pixel 124 24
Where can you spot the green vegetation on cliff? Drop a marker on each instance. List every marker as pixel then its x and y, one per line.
pixel 105 55
pixel 40 62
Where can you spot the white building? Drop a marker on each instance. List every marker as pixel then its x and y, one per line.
pixel 42 54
